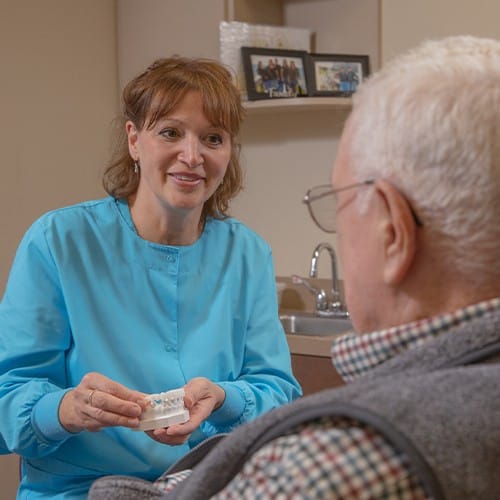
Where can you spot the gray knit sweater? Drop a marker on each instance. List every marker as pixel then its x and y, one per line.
pixel 439 403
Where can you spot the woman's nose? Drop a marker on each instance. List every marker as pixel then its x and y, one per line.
pixel 191 152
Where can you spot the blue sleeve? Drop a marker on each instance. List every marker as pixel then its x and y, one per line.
pixel 266 381
pixel 34 335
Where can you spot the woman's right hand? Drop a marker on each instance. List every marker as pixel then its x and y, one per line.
pixel 202 397
pixel 98 402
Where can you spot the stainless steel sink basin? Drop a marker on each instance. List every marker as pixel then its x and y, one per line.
pixel 304 323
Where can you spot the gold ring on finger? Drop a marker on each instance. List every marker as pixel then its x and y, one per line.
pixel 89 397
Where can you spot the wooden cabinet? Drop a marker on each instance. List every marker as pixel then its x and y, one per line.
pixel 315 373
pixel 311 362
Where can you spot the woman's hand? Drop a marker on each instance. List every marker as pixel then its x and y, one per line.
pixel 98 402
pixel 201 398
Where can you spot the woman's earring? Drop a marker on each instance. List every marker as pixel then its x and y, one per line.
pixel 136 166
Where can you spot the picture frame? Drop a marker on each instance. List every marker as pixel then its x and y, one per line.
pixel 336 75
pixel 274 73
pixel 234 34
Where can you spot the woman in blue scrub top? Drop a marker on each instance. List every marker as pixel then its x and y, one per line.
pixel 150 289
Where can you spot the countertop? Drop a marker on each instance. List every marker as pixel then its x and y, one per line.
pixel 310 345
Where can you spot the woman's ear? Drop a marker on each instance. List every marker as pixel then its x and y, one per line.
pixel 132 136
pixel 399 234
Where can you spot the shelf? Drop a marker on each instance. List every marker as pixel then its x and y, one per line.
pixel 296 104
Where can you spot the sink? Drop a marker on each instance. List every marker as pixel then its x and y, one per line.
pixel 304 323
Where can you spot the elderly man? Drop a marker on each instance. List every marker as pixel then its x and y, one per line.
pixel 415 203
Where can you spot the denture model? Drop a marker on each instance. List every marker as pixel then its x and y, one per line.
pixel 166 408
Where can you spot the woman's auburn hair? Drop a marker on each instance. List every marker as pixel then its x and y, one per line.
pixel 154 94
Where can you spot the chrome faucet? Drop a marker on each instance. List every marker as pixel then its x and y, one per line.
pixel 325 307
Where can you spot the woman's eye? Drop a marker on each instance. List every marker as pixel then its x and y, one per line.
pixel 214 139
pixel 170 133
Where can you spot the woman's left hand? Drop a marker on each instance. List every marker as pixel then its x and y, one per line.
pixel 201 398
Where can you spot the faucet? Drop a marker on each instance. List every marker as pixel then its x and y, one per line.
pixel 325 307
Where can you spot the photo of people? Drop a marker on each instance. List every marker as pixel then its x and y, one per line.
pixel 275 73
pixel 338 76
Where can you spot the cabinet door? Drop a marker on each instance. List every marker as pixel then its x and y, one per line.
pixel 315 373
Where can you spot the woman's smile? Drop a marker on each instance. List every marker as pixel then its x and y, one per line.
pixel 186 178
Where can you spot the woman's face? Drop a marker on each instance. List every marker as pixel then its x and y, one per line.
pixel 183 158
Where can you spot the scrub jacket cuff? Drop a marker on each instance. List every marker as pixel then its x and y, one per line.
pixel 45 417
pixel 231 409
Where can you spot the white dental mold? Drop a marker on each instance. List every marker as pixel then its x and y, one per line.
pixel 166 408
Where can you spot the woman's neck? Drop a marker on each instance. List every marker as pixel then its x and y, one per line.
pixel 164 226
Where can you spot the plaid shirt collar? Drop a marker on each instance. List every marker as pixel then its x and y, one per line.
pixel 353 355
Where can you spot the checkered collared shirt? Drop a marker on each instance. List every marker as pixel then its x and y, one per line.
pixel 339 458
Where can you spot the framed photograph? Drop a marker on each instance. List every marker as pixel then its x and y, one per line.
pixel 233 35
pixel 274 73
pixel 336 75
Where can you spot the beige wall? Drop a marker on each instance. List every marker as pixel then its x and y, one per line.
pixel 58 96
pixel 340 26
pixel 149 29
pixel 405 23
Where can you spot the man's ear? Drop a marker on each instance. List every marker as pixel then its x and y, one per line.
pixel 399 233
pixel 131 131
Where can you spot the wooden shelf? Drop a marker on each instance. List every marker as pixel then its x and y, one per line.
pixel 295 104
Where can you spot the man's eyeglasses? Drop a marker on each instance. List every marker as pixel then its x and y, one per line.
pixel 322 204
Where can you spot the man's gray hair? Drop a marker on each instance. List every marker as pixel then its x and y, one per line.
pixel 429 122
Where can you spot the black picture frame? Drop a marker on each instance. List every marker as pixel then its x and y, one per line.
pixel 336 75
pixel 264 80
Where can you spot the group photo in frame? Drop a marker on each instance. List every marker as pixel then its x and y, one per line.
pixel 336 75
pixel 274 73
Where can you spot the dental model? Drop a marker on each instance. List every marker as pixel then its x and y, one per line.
pixel 166 408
